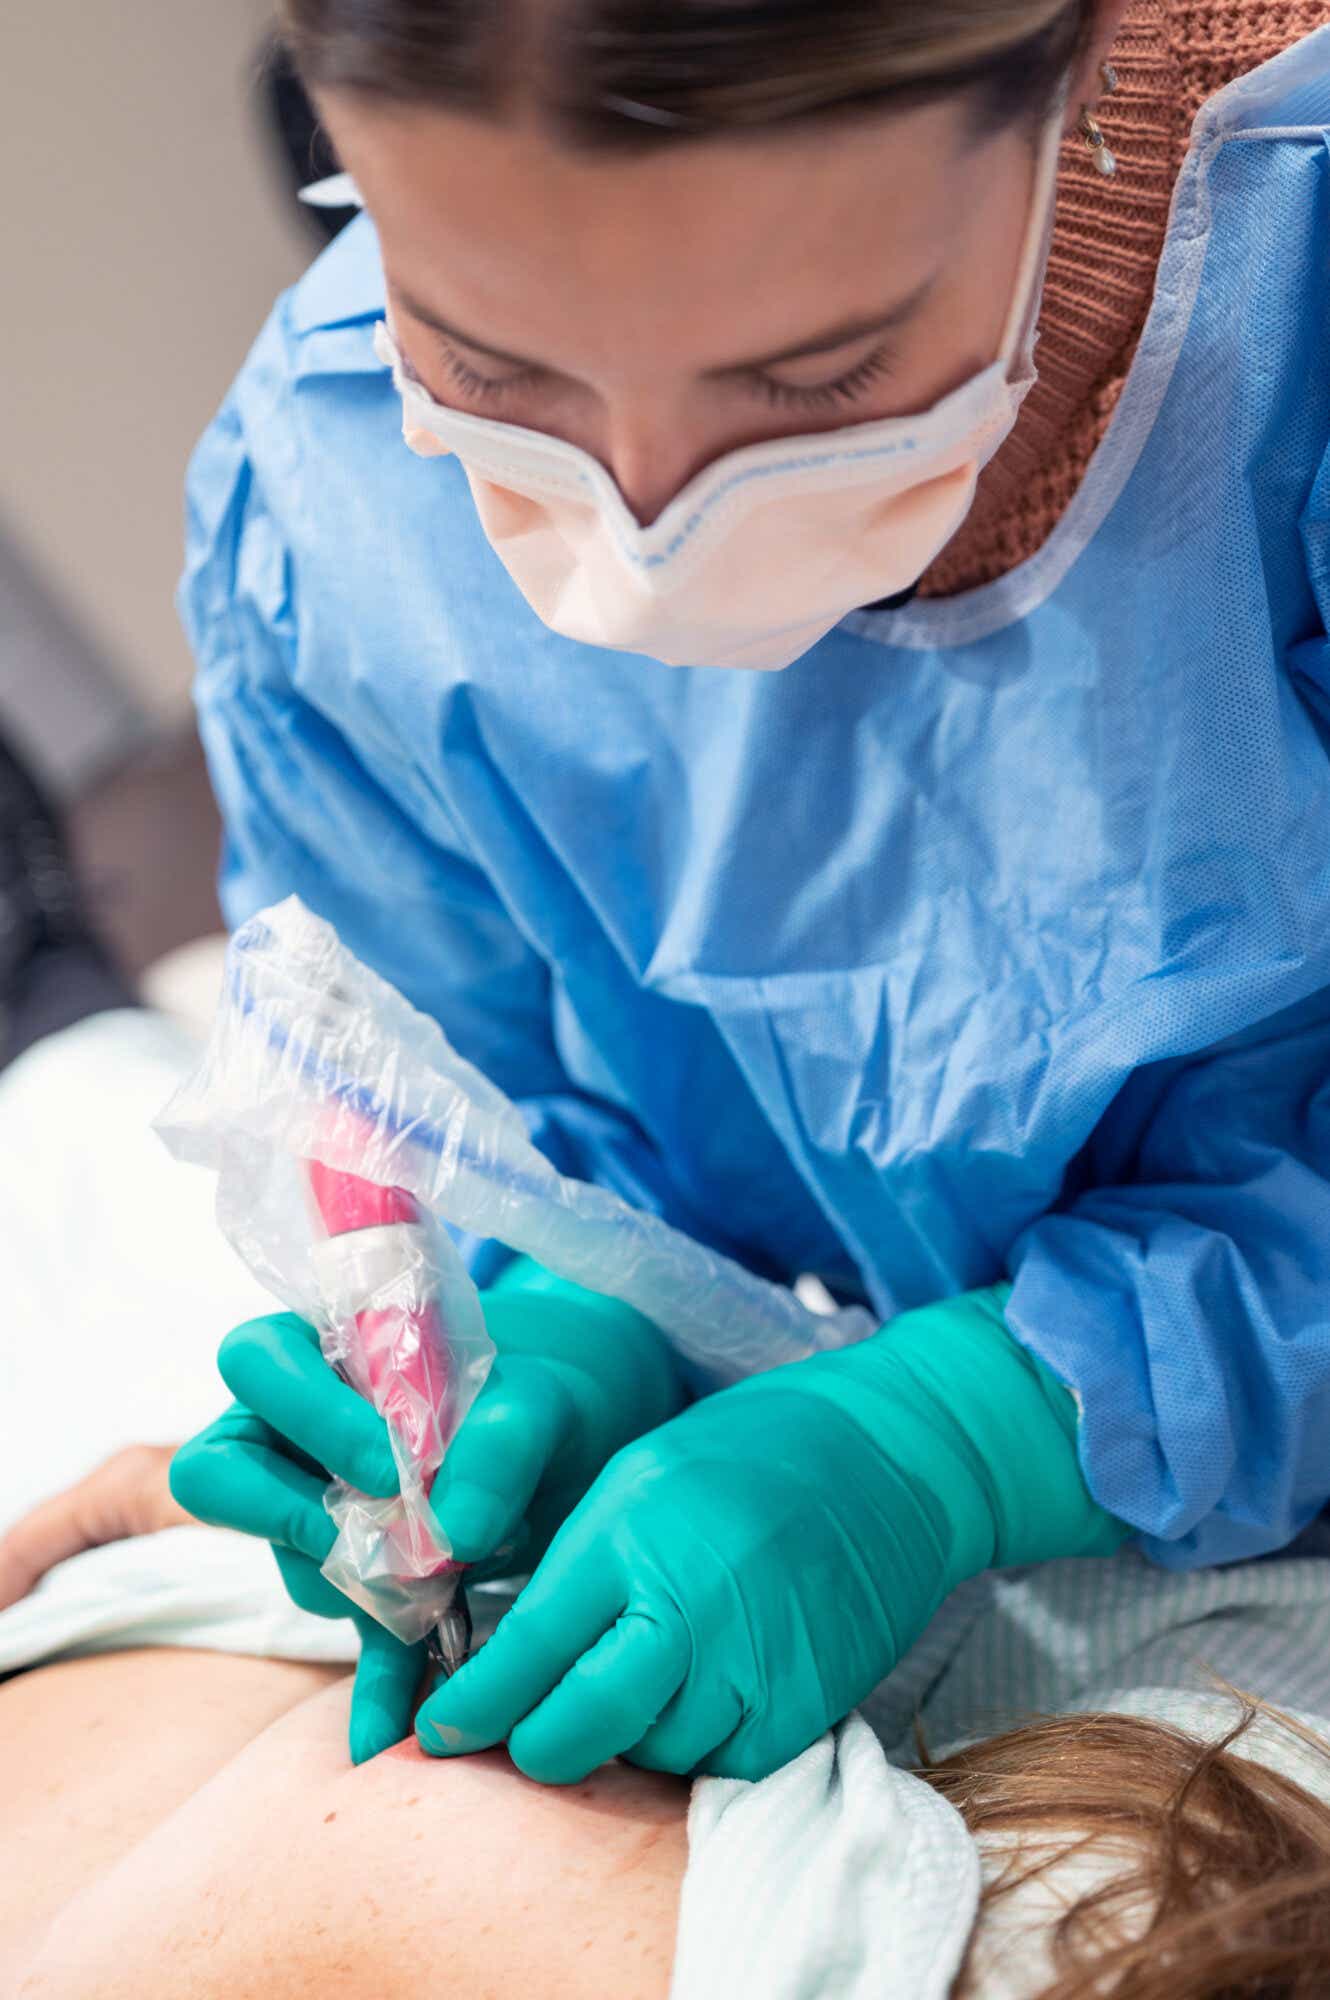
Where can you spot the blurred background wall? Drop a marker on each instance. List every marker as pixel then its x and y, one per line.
pixel 145 229
pixel 146 225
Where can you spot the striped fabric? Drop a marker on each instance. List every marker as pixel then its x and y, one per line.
pixel 816 1885
pixel 1076 1635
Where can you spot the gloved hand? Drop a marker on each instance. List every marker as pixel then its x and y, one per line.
pixel 242 1473
pixel 575 1377
pixel 736 1581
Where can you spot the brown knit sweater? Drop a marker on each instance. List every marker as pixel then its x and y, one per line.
pixel 1171 55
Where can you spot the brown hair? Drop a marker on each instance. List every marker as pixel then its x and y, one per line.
pixel 631 73
pixel 1224 1893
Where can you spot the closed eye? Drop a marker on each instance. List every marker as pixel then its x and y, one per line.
pixel 472 382
pixel 846 388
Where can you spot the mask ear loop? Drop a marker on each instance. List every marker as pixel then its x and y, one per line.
pixel 1038 238
pixel 422 442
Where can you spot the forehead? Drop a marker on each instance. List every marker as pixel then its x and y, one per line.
pixel 708 248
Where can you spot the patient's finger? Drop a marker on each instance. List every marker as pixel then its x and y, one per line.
pixel 274 1367
pixel 499 1457
pixel 126 1495
pixel 235 1474
pixel 608 1701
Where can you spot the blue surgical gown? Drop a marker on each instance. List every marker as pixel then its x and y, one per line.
pixel 992 936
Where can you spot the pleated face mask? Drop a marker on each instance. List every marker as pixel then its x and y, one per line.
pixel 767 549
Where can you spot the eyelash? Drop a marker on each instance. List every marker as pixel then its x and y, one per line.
pixel 783 395
pixel 472 383
pixel 824 395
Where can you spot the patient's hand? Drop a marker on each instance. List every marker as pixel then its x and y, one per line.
pixel 127 1495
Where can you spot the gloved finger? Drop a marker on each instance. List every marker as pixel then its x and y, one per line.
pixel 696 1727
pixel 241 1425
pixel 308 1588
pixel 607 1702
pixel 517 1556
pixel 743 1756
pixel 234 1474
pixel 383 1698
pixel 570 1601
pixel 499 1456
pixel 274 1366
pixel 388 1674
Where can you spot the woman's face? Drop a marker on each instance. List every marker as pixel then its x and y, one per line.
pixel 660 309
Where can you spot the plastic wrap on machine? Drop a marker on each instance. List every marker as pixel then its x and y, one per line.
pixel 346 1131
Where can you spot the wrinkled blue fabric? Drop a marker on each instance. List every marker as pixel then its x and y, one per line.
pixel 992 936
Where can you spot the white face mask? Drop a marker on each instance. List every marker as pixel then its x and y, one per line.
pixel 766 550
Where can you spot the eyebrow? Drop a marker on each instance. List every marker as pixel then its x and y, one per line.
pixel 827 342
pixel 432 319
pixel 843 335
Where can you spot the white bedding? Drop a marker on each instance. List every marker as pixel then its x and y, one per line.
pixel 118 1289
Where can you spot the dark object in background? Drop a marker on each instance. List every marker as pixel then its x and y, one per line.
pixel 54 969
pixel 303 147
pixel 145 842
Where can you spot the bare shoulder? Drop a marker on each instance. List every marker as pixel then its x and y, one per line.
pixel 289 1872
pixel 96 1752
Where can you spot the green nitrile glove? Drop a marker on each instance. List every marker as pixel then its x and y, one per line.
pixel 736 1581
pixel 575 1377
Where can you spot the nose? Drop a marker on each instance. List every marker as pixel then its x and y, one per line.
pixel 652 456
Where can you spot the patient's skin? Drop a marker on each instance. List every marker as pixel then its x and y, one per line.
pixel 95 1752
pixel 275 1869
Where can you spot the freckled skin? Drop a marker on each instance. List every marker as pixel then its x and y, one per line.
pixel 281 1869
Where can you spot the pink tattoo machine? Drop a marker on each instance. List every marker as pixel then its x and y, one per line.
pixel 409 1338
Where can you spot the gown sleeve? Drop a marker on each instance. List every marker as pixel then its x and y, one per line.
pixel 1182 1289
pixel 303 815
pixel 1185 1297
